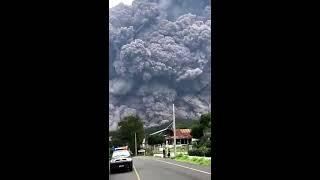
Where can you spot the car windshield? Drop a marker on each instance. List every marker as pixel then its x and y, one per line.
pixel 120 153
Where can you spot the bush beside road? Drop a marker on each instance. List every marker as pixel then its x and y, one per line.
pixel 193 159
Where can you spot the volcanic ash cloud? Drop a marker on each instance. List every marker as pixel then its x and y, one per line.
pixel 160 54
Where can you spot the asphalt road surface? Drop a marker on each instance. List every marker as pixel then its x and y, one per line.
pixel 150 168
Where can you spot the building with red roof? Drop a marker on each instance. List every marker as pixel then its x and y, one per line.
pixel 183 136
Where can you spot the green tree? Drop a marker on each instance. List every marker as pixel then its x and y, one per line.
pixel 128 126
pixel 204 141
pixel 116 139
pixel 197 131
pixel 205 120
pixel 203 150
pixel 156 139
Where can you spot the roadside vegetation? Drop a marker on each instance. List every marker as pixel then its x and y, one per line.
pixel 202 131
pixel 124 136
pixel 193 160
pixel 196 153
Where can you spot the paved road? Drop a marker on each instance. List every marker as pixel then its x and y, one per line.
pixel 149 168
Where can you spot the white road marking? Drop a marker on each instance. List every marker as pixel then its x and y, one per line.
pixel 180 166
pixel 136 172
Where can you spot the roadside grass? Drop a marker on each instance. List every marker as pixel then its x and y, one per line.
pixel 194 160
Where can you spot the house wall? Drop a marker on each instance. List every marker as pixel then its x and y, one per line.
pixel 179 141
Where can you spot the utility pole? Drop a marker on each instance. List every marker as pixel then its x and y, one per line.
pixel 210 104
pixel 135 143
pixel 174 131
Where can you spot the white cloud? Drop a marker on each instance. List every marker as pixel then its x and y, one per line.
pixel 113 3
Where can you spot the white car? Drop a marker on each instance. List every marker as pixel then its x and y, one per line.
pixel 121 159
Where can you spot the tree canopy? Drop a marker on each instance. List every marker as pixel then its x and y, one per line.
pixel 197 131
pixel 156 139
pixel 205 120
pixel 128 126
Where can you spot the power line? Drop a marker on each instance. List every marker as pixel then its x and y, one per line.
pixel 157 132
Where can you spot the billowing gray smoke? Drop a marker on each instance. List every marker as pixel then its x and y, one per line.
pixel 160 54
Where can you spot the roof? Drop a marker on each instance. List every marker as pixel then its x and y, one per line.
pixel 182 134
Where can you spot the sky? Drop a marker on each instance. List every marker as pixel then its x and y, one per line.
pixel 113 3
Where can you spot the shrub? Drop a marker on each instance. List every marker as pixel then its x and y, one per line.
pixel 208 153
pixel 184 157
pixel 194 159
pixel 203 150
pixel 179 155
pixel 204 141
pixel 200 151
pixel 149 152
pixel 194 152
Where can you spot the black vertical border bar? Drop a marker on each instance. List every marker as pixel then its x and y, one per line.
pixel 106 107
pixel 213 89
